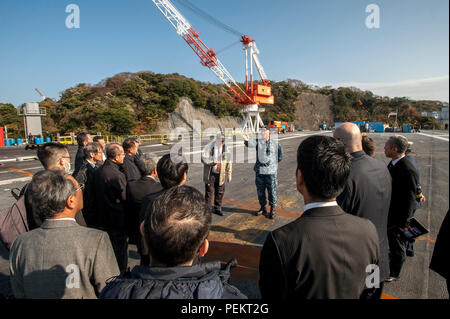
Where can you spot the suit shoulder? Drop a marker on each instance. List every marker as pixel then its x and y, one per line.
pixel 285 232
pixel 364 225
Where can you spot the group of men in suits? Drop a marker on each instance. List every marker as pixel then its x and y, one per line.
pixel 62 259
pixel 114 191
pixel 354 207
pixel 347 243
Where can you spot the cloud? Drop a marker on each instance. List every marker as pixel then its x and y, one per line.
pixel 436 88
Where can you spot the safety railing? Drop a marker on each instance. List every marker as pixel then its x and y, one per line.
pixel 150 138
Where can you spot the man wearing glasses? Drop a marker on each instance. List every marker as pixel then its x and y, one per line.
pixel 60 259
pixel 93 158
pixel 53 156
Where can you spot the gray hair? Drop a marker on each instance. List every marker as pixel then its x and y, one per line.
pixel 91 148
pixel 150 163
pixel 48 192
pixel 400 142
pixel 112 150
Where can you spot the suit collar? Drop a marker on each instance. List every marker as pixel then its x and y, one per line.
pixel 108 162
pixel 149 178
pixel 394 162
pixel 57 223
pixel 323 212
pixel 358 154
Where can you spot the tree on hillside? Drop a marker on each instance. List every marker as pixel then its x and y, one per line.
pixel 10 119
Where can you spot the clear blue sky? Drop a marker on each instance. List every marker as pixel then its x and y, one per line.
pixel 313 41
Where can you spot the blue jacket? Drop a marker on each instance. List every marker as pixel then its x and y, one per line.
pixel 202 281
pixel 269 154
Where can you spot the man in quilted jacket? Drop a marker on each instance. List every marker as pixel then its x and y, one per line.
pixel 176 228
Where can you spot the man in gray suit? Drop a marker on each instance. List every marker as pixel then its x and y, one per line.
pixel 60 259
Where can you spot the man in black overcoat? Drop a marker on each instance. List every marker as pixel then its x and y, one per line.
pixel 367 193
pixel 111 187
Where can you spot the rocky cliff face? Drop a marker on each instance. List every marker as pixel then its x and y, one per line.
pixel 313 109
pixel 185 114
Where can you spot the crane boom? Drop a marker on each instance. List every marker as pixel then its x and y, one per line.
pixel 207 56
pixel 42 95
pixel 254 94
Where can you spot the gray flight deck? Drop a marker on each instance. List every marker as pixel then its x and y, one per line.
pixel 240 234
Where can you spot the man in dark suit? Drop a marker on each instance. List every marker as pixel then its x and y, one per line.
pixel 170 173
pixel 111 186
pixel 93 157
pixel 440 261
pixel 129 167
pixel 403 200
pixel 367 193
pixel 325 253
pixel 136 191
pixel 82 139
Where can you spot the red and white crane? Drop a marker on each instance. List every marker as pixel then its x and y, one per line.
pixel 254 94
pixel 42 95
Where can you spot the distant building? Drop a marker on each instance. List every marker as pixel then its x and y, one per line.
pixel 441 116
pixel 444 117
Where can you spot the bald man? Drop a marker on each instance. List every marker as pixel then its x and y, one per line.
pixel 367 194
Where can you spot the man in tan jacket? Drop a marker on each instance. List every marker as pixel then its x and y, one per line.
pixel 217 167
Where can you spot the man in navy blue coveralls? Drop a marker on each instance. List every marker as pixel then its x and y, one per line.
pixel 269 154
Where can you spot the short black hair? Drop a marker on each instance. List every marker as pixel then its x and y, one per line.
pixel 368 145
pixel 91 148
pixel 176 225
pixel 82 138
pixel 128 143
pixel 171 174
pixel 98 137
pixel 48 192
pixel 49 153
pixel 324 164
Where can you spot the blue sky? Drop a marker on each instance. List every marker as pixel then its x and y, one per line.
pixel 321 42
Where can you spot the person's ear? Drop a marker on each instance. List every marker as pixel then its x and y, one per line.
pixel 299 179
pixel 155 173
pixel 204 248
pixel 141 228
pixel 183 181
pixel 61 163
pixel 71 201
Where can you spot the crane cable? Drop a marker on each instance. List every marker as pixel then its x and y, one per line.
pixel 208 17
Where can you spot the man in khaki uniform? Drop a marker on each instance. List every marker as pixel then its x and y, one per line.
pixel 217 167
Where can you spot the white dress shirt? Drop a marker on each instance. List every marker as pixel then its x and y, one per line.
pixel 319 204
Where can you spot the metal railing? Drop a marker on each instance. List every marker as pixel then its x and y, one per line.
pixel 149 138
